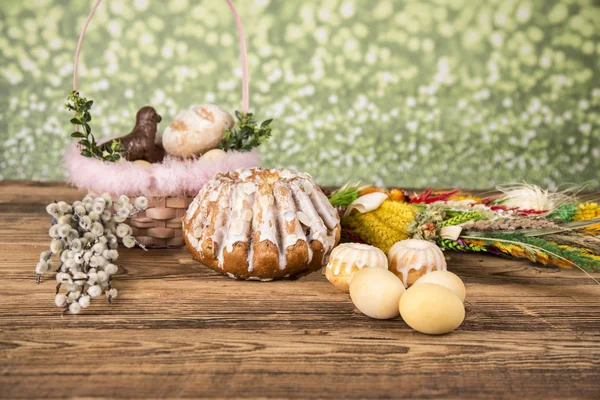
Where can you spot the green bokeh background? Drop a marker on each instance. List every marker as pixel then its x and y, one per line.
pixel 467 93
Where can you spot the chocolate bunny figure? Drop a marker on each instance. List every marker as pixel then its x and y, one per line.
pixel 140 143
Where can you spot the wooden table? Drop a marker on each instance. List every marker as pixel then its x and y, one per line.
pixel 179 329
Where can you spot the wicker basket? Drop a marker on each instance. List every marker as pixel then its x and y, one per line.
pixel 159 226
pixel 168 192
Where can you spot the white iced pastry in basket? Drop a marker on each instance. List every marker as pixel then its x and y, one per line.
pixel 196 130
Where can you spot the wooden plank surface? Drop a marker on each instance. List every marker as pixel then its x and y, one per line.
pixel 179 329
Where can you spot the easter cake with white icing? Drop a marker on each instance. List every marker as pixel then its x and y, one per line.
pixel 261 224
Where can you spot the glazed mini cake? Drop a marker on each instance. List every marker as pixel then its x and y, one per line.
pixel 261 224
pixel 412 258
pixel 348 258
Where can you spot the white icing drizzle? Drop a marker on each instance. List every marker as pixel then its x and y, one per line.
pixel 318 231
pixel 327 212
pixel 355 256
pixel 218 215
pixel 238 225
pixel 415 254
pixel 290 230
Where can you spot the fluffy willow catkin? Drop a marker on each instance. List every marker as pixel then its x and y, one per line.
pixel 84 237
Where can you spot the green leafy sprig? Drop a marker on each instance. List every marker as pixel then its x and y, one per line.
pixel 245 134
pixel 110 151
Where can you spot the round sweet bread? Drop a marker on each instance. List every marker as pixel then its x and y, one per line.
pixel 261 224
pixel 348 258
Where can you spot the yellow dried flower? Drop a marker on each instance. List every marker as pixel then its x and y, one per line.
pixel 382 227
pixel 464 196
pixel 587 211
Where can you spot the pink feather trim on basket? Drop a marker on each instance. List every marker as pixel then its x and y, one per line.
pixel 173 177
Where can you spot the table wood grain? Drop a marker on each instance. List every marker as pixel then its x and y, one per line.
pixel 179 329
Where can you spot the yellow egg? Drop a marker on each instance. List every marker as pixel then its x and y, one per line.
pixel 446 279
pixel 376 292
pixel 214 155
pixel 143 163
pixel 431 309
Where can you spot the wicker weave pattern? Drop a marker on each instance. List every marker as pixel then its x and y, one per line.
pixel 160 225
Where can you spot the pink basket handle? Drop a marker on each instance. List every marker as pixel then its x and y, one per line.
pixel 243 56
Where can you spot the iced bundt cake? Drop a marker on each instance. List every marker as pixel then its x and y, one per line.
pixel 261 224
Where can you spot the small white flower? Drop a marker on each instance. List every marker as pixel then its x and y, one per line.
pixel 99 248
pixel 106 216
pixel 76 245
pixel 98 207
pixel 78 258
pixel 97 229
pixel 72 287
pixel 113 255
pixel 88 199
pixel 88 207
pixel 123 199
pixel 75 308
pixel 102 239
pixel 102 262
pixel 92 278
pixel 64 207
pixel 60 300
pixel 63 277
pixel 111 239
pixel 64 230
pixel 122 214
pixel 99 199
pixel 87 256
pixel 44 255
pixel 112 293
pixel 123 230
pixel 73 295
pixel 94 291
pixel 141 203
pixel 64 219
pixel 107 199
pixel 79 277
pixel 73 234
pixel 84 301
pixel 41 267
pixel 85 222
pixel 102 276
pixel 80 210
pixel 111 269
pixel 94 261
pixel 128 242
pixel 70 264
pixel 94 216
pixel 53 210
pixel 56 245
pixel 53 232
